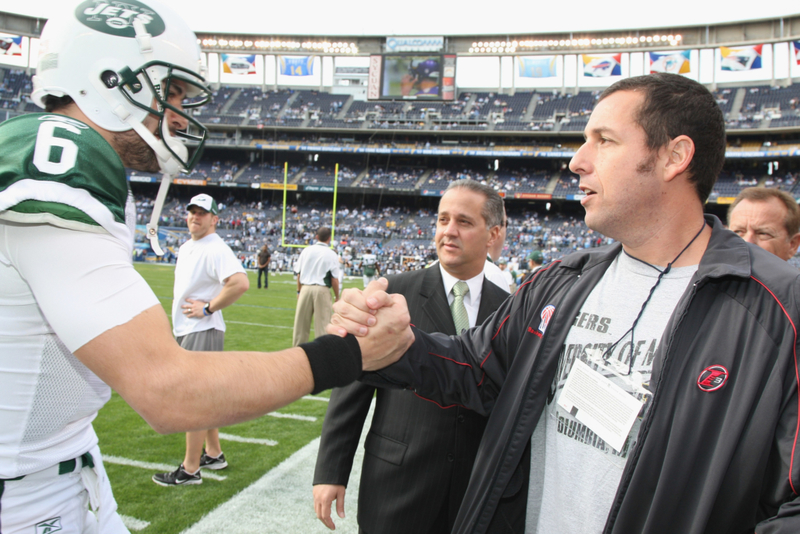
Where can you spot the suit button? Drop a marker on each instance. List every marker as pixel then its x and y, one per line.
pixel 450 458
pixel 460 418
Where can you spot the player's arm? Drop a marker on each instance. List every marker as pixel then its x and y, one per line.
pixel 175 390
pixel 335 286
pixel 104 312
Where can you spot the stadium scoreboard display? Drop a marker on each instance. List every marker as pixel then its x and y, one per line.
pixel 412 76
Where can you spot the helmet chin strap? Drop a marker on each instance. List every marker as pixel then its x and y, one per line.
pixel 169 166
pixel 152 226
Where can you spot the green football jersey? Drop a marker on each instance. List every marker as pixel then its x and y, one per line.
pixel 58 170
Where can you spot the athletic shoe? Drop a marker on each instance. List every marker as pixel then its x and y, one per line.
pixel 209 462
pixel 179 477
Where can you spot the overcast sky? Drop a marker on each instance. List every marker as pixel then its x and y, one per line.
pixel 449 17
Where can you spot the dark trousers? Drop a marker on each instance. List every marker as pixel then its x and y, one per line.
pixel 265 270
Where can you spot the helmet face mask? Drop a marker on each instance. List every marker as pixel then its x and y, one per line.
pixel 117 62
pixel 131 83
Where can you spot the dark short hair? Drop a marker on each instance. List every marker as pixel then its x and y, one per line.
pixel 56 103
pixel 323 234
pixel 763 194
pixel 675 105
pixel 493 210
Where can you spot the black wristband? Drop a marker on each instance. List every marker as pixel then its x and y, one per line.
pixel 335 361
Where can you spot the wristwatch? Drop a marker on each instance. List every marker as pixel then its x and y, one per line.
pixel 206 310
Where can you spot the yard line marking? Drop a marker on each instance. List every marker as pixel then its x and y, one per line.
pixel 153 466
pixel 293 416
pixel 259 324
pixel 278 502
pixel 134 524
pixel 312 397
pixel 240 439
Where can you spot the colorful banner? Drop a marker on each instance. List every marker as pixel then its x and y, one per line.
pixel 289 187
pixel 11 45
pixel 241 65
pixel 537 67
pixel 796 48
pixel 296 65
pixel 602 66
pixel 672 62
pixel 741 58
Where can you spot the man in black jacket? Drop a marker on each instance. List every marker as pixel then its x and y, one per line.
pixel 418 454
pixel 655 381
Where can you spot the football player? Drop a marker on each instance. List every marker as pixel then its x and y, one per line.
pixel 76 319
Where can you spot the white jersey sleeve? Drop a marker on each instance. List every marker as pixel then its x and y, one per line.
pixel 82 283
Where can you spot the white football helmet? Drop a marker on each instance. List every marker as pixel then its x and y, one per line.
pixel 117 59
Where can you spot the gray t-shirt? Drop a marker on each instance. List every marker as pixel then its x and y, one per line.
pixel 574 473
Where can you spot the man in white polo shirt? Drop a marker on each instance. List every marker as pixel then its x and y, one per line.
pixel 208 278
pixel 317 270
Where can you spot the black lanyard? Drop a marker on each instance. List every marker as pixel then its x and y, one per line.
pixel 607 353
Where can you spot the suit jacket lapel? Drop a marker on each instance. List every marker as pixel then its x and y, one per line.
pixel 434 301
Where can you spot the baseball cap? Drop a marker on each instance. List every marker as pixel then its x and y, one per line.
pixel 204 201
pixel 536 256
pixel 502 261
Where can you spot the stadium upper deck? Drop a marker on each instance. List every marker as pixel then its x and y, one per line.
pixel 504 127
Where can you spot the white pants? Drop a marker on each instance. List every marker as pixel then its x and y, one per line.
pixel 80 502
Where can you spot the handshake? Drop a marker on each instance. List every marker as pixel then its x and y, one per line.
pixel 380 322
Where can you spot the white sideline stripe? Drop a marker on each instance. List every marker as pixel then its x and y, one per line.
pixel 134 524
pixel 293 416
pixel 153 466
pixel 281 502
pixel 312 397
pixel 259 324
pixel 240 439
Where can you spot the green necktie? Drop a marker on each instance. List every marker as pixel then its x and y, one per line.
pixel 457 308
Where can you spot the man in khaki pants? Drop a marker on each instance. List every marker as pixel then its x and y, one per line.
pixel 317 270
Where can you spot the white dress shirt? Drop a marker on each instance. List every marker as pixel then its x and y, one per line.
pixel 472 300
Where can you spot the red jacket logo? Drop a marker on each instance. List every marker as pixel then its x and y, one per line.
pixel 545 316
pixel 712 378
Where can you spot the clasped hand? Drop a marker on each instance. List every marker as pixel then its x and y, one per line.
pixel 380 321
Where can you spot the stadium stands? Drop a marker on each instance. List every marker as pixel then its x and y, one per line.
pixel 746 108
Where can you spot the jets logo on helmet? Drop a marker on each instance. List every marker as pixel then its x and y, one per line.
pixel 116 18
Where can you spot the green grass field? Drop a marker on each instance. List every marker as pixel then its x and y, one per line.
pixel 259 320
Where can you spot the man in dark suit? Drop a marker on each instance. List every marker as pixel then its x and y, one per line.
pixel 419 455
